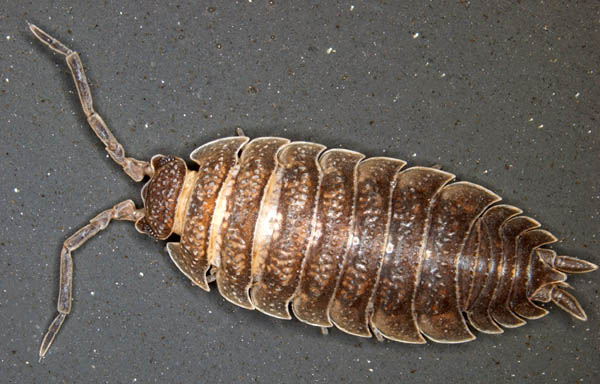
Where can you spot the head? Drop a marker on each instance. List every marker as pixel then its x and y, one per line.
pixel 160 196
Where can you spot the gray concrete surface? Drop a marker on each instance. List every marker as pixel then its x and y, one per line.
pixel 505 95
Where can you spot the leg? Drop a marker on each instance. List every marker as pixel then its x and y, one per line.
pixel 324 331
pixel 377 334
pixel 212 276
pixel 122 211
pixel 240 132
pixel 135 169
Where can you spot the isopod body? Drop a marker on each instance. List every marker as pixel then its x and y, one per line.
pixel 366 245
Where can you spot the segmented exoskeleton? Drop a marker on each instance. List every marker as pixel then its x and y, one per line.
pixel 362 244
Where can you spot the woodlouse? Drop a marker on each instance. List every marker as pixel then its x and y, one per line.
pixel 362 244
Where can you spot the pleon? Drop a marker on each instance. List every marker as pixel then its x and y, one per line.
pixel 257 163
pixel 491 221
pixel 331 237
pixel 436 303
pixel 526 243
pixel 499 307
pixel 412 199
pixel 285 227
pixel 349 311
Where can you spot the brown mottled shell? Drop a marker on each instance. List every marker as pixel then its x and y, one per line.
pixel 357 243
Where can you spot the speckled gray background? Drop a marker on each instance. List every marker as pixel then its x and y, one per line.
pixel 506 96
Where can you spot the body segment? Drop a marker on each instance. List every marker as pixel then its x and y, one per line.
pixel 287 228
pixel 331 237
pixel 394 303
pixel 234 277
pixel 351 305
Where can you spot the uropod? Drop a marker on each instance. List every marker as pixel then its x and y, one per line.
pixel 369 246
